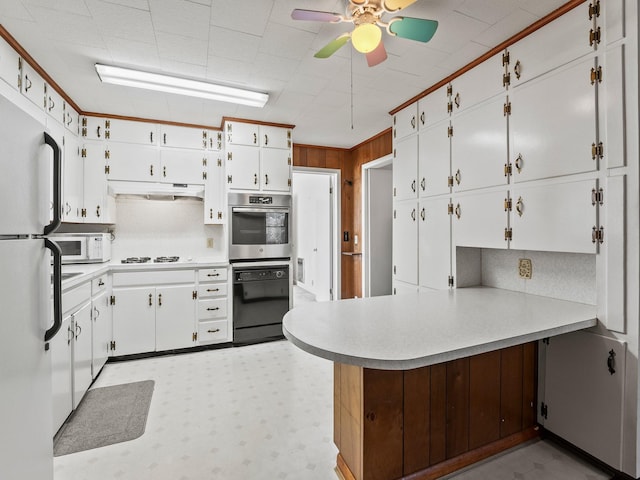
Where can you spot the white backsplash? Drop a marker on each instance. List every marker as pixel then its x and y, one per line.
pixel 163 227
pixel 566 276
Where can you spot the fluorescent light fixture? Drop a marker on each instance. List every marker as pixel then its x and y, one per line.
pixel 180 86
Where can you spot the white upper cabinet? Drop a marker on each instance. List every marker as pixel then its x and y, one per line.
pixel 434 153
pixel 215 140
pixel 92 128
pixel 182 166
pixel 184 137
pixel 405 122
pixel 10 63
pixel 614 17
pixel 482 82
pixel 405 242
pixel 243 167
pixel 54 104
pixel 553 124
pixel 73 181
pixel 240 133
pixel 611 109
pixel 214 191
pixel 434 236
pixel 275 170
pixel 132 162
pixel 71 119
pixel 479 146
pixel 127 131
pixel 95 182
pixel 540 52
pixel 32 86
pixel 558 217
pixel 405 168
pixel 434 107
pixel 480 220
pixel 275 137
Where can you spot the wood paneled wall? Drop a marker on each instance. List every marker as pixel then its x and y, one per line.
pixel 349 162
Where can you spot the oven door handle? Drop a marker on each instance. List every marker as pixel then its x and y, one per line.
pixel 260 210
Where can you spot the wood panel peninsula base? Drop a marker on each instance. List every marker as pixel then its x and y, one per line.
pixel 428 422
pixel 430 382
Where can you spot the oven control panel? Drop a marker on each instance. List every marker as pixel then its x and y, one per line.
pixel 260 274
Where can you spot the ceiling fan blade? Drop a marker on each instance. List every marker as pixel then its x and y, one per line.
pixel 418 29
pixel 315 16
pixel 395 5
pixel 333 46
pixel 377 55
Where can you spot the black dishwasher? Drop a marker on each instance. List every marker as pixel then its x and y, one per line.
pixel 260 300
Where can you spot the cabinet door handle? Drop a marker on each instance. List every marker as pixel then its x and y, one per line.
pixel 213 274
pixel 215 330
pixel 213 289
pixel 151 170
pixel 413 122
pixel 519 207
pixel 160 300
pixel 213 309
pixel 68 208
pixel 457 177
pixel 423 184
pixel 211 213
pixel 151 300
pixel 52 104
pixel 422 118
pixel 69 334
pixel 456 99
pixel 96 313
pixel 78 331
pixel 98 211
pixel 98 131
pixel 413 186
pixel 611 362
pixel 413 214
pixel 266 139
pixel 255 138
pixel 68 119
pixel 518 163
pixel 29 84
pixel 266 179
pixel 423 214
pixel 517 69
pixel 458 211
pixel 100 283
pixel 164 171
pixel 151 137
pixel 255 178
pixel 164 138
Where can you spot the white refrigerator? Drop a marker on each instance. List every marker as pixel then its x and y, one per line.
pixel 30 169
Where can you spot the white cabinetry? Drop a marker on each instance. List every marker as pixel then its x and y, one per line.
pixel 480 220
pixel 32 86
pixel 10 63
pixel 153 311
pixel 96 205
pixel 126 131
pixel 435 243
pixel 405 241
pixel 101 317
pixel 81 323
pixel 255 159
pixel 132 162
pixel 54 104
pixel 214 190
pixel 434 107
pixel 405 168
pixel 482 82
pixel 62 398
pixel 405 122
pixel 73 181
pixel 183 137
pixel 213 306
pixel 71 119
pixel 434 160
pixel 182 166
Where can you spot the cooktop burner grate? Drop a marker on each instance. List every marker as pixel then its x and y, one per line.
pixel 166 259
pixel 136 260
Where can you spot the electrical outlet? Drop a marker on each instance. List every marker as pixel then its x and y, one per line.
pixel 525 268
pixel 209 242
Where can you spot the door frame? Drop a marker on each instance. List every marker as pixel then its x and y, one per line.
pixel 366 228
pixel 336 195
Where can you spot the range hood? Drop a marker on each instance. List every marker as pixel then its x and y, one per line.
pixel 158 191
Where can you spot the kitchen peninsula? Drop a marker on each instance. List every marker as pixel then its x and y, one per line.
pixel 428 383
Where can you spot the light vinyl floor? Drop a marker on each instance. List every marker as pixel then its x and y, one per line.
pixel 256 412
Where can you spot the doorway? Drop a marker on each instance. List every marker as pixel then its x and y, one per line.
pixel 316 217
pixel 377 213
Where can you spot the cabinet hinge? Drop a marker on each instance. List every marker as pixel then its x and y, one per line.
pixel 449 90
pixel 450 209
pixel 594 9
pixel 83 153
pixel 597 151
pixel 289 182
pixel 84 121
pixel 84 131
pixel 194 337
pixel 594 36
pixel 449 107
pixel 597 235
pixel 107 134
pixel 112 345
pixel 204 175
pixel 394 191
pixel 506 79
pixel 219 215
pixel 544 410
pixel 289 144
pixel 597 197
pixel 204 162
pixel 508 204
pixel 450 280
pixel 505 59
pixel 289 161
pixel 112 300
pixel 107 154
pixel 596 75
pixel 507 109
pixel 394 214
pixel 107 124
pixel 450 181
pixel 219 162
pixel 394 269
pixel 229 178
pixel 83 213
pixel 508 169
pixel 229 156
pixel 508 234
pixel 194 295
pixel 450 131
pixel 107 169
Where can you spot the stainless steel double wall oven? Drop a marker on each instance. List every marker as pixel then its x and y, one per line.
pixel 260 254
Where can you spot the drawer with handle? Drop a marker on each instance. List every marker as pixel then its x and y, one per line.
pixel 212 290
pixel 214 331
pixel 98 284
pixel 212 275
pixel 214 308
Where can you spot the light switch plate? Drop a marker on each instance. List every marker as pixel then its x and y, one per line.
pixel 525 268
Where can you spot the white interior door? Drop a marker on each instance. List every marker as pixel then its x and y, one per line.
pixel 379 266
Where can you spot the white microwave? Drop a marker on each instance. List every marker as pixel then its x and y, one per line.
pixel 84 247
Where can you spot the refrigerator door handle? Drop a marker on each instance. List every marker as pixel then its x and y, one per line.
pixel 57 184
pixel 57 289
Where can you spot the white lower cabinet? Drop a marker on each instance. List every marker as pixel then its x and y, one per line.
pixel 583 392
pixel 405 242
pixel 62 398
pixel 480 220
pixel 101 317
pixel 81 323
pixel 434 244
pixel 402 288
pixel 214 308
pixel 153 311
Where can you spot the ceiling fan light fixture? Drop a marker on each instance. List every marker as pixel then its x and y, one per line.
pixel 180 86
pixel 366 37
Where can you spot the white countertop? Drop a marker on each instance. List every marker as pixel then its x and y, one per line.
pixel 401 332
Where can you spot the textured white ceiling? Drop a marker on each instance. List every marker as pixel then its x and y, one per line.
pixel 255 43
